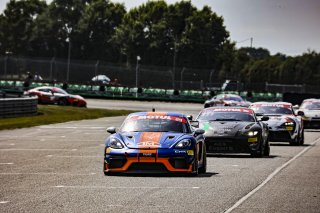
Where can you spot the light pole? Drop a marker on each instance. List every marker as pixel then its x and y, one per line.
pixel 210 77
pixel 51 69
pixel 69 30
pixel 137 69
pixel 96 69
pixel 174 61
pixel 181 77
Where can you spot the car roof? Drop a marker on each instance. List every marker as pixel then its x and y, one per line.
pixel 311 100
pixel 271 103
pixel 175 114
pixel 227 108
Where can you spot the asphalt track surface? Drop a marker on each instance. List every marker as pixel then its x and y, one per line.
pixel 58 168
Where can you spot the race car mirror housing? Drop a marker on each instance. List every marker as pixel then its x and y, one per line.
pixel 199 132
pixel 264 118
pixel 300 113
pixel 111 130
pixel 194 124
pixel 190 117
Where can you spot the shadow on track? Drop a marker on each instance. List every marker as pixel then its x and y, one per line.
pixel 311 130
pixel 287 144
pixel 159 175
pixel 237 156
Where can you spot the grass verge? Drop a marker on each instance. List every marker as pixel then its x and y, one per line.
pixel 58 114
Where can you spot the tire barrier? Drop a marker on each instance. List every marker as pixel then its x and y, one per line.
pixel 15 107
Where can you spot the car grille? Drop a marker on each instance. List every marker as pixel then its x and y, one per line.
pixel 116 163
pixel 226 145
pixel 147 167
pixel 178 163
pixel 279 136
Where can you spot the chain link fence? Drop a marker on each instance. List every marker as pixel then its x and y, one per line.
pixel 179 78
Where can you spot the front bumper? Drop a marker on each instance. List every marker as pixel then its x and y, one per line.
pixel 232 144
pixel 282 134
pixel 149 160
pixel 311 123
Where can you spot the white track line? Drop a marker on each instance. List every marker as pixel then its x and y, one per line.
pixel 4 202
pixel 239 202
pixel 124 187
pixel 6 163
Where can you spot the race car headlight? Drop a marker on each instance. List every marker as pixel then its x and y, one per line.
pixel 183 144
pixel 252 133
pixel 115 144
pixel 289 124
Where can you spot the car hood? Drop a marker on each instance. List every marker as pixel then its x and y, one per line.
pixel 311 113
pixel 277 120
pixel 151 140
pixel 225 128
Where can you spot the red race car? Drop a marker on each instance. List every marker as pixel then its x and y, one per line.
pixel 55 95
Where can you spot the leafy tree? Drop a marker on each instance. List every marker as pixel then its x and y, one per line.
pixel 18 20
pixel 96 28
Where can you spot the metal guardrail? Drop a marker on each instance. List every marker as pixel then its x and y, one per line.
pixel 14 107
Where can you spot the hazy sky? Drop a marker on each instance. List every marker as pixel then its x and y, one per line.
pixel 287 26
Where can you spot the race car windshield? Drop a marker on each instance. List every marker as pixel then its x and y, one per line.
pixel 226 116
pixel 311 106
pixel 272 110
pixel 154 125
pixel 232 98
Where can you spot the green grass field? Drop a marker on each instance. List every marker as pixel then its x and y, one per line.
pixel 58 114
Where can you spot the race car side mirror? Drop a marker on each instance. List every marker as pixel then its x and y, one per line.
pixel 194 124
pixel 199 132
pixel 300 113
pixel 111 130
pixel 190 117
pixel 295 107
pixel 264 118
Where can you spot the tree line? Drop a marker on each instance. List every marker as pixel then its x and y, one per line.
pixel 161 34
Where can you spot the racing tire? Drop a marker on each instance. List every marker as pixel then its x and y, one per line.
pixel 203 168
pixel 206 105
pixel 195 166
pixel 301 142
pixel 104 169
pixel 266 151
pixel 295 142
pixel 258 153
pixel 62 102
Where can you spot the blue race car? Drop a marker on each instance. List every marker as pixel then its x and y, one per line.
pixel 155 142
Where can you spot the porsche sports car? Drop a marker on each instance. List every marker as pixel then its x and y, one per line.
pixel 234 130
pixel 55 95
pixel 284 125
pixel 310 112
pixel 226 100
pixel 155 142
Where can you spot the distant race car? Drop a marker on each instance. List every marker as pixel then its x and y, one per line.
pixel 284 125
pixel 310 112
pixel 102 79
pixel 234 130
pixel 155 142
pixel 55 95
pixel 226 100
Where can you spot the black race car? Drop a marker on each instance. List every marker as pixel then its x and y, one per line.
pixel 234 130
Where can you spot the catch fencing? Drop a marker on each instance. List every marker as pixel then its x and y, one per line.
pixel 56 70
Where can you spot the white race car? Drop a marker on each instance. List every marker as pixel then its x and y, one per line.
pixel 310 109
